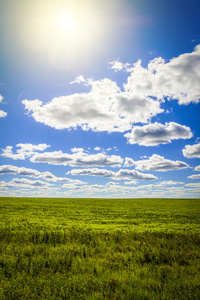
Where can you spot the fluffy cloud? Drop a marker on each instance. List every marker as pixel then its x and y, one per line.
pixel 104 108
pixel 135 108
pixel 178 79
pixel 192 151
pixel 79 158
pixel 97 148
pixel 196 176
pixel 116 65
pixel 88 189
pixel 197 168
pixel 79 79
pixel 24 183
pixel 159 163
pixel 170 182
pixel 155 133
pixel 132 182
pixel 9 169
pixel 147 190
pixel 122 174
pixel 24 151
pixel 128 162
pixel 3 114
pixel 193 185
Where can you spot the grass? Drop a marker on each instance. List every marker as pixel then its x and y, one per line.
pixel 99 248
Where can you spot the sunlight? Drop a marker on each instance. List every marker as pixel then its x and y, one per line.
pixel 65 34
pixel 66 22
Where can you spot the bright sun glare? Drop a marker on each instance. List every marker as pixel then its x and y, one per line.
pixel 67 34
pixel 66 22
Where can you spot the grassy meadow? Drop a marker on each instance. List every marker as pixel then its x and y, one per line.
pixel 99 249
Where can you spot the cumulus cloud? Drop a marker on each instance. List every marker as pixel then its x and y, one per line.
pixel 87 189
pixel 192 151
pixel 177 79
pixel 155 133
pixel 193 185
pixel 116 65
pixel 170 182
pixel 132 182
pixel 3 114
pixel 196 176
pixel 122 174
pixel 77 149
pixel 128 162
pixel 197 168
pixel 79 158
pixel 9 169
pixel 97 148
pixel 24 151
pixel 104 108
pixel 24 183
pixel 79 79
pixel 159 163
pixel 48 176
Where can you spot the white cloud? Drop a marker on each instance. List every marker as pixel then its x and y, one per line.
pixel 80 159
pixel 104 150
pixel 104 108
pixel 197 168
pixel 159 163
pixel 97 148
pixel 77 149
pixel 86 189
pixel 112 183
pixel 196 176
pixel 170 182
pixel 122 174
pixel 116 65
pixel 3 114
pixel 135 108
pixel 193 185
pixel 132 182
pixel 79 79
pixel 155 133
pixel 24 183
pixel 128 162
pixel 178 79
pixel 9 169
pixel 192 151
pixel 26 150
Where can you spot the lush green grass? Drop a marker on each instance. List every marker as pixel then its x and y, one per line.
pixel 99 248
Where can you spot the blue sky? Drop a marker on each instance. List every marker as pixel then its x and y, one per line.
pixel 100 98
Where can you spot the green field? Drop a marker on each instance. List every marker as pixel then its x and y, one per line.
pixel 99 248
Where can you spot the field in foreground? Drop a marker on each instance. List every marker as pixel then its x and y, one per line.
pixel 99 248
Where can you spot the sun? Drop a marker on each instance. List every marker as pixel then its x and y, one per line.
pixel 66 33
pixel 66 22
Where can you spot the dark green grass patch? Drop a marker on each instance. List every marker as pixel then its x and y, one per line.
pixel 99 249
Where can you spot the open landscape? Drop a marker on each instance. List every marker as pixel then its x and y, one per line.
pixel 100 150
pixel 99 248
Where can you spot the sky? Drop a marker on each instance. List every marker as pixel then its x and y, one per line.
pixel 100 98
